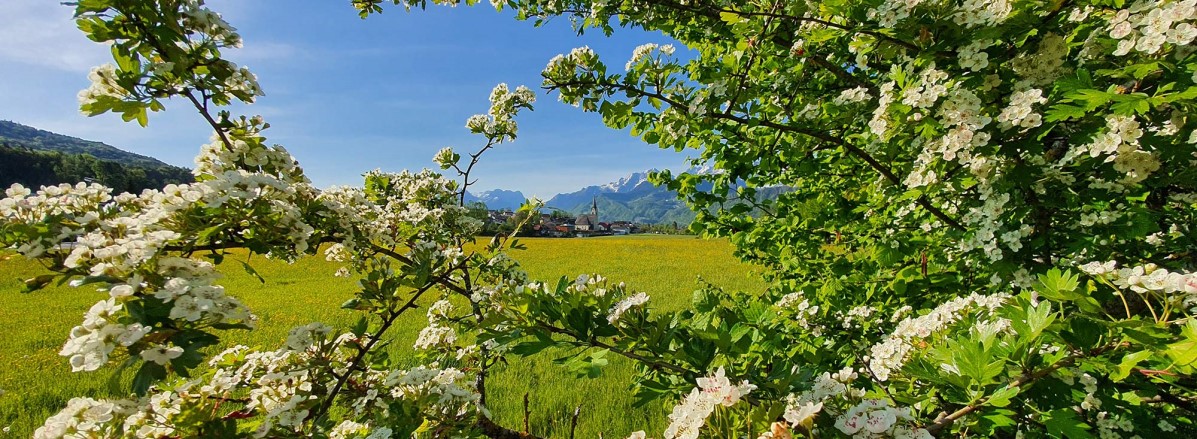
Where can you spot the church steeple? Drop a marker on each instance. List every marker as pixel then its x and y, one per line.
pixel 594 207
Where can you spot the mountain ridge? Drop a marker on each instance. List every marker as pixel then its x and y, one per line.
pixel 498 199
pixel 20 135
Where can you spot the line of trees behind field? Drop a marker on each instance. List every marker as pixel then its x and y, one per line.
pixel 33 169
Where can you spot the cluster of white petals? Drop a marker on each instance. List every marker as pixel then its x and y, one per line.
pixel 562 69
pixel 889 355
pixel 1145 26
pixel 688 417
pixel 644 50
pixel 103 86
pixel 852 95
pixel 1148 278
pixel 1019 113
pixel 621 307
pixel 1120 144
pixel 280 388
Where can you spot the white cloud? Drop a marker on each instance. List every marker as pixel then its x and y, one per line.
pixel 42 33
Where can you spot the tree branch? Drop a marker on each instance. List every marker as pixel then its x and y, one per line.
pixel 945 420
pixel 631 355
pixel 881 168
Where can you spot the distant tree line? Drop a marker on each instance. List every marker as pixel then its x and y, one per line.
pixel 666 229
pixel 34 169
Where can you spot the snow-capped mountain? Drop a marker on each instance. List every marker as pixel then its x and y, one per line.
pixel 627 184
pixel 636 182
pixel 498 199
pixel 631 198
pixel 634 198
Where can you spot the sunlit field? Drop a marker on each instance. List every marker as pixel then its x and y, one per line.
pixel 35 382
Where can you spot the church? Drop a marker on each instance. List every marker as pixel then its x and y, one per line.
pixel 588 222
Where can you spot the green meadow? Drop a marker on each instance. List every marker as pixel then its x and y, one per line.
pixel 35 382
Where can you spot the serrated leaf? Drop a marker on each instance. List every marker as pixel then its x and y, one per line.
pixel 252 271
pixel 1001 397
pixel 1064 423
pixel 1129 361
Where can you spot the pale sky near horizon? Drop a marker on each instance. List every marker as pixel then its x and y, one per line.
pixel 347 95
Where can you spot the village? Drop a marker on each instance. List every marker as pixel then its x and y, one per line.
pixel 560 224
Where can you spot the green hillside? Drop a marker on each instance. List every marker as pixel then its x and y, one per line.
pixel 15 134
pixel 35 158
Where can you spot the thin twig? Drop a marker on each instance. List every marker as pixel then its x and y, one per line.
pixel 527 415
pixel 944 420
pixel 573 421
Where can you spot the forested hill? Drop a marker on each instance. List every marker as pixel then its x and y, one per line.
pixel 15 134
pixel 34 158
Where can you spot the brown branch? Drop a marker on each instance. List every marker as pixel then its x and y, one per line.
pixel 878 35
pixel 631 355
pixel 527 414
pixel 405 260
pixel 881 168
pixel 573 421
pixel 1164 397
pixel 203 111
pixel 202 108
pixel 374 339
pixel 945 420
pixel 495 431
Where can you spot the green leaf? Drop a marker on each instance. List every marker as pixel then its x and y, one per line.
pixel 1001 398
pixel 532 347
pixel 1061 112
pixel 360 327
pixel 1184 353
pixel 1064 423
pixel 1129 361
pixel 252 271
pixel 146 376
pixel 1058 285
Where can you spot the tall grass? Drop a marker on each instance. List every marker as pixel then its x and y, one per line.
pixel 35 382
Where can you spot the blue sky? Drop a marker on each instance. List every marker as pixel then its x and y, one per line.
pixel 347 95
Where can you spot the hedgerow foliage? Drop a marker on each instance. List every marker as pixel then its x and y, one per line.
pixel 987 231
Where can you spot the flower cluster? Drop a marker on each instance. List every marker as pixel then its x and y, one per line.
pixel 1120 144
pixel 888 356
pixel 688 417
pixel 803 311
pixel 446 158
pixel 192 299
pixel 1019 113
pixel 437 334
pixel 855 415
pixel 280 388
pixel 499 124
pixel 621 307
pixel 852 95
pixel 973 56
pixel 563 68
pixel 644 50
pixel 1147 278
pixel 1045 65
pixel 1146 26
pixel 103 86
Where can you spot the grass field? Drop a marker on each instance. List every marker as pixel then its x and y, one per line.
pixel 35 382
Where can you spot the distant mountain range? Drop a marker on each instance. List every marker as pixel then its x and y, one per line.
pixel 25 136
pixel 498 199
pixel 632 198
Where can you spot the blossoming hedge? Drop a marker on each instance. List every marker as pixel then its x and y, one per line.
pixel 984 229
